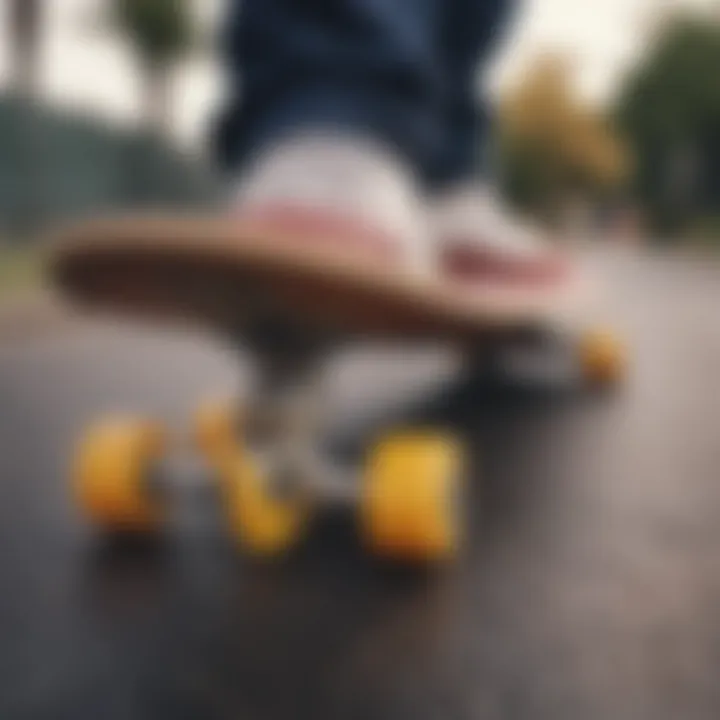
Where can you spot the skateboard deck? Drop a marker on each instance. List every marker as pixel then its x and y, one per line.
pixel 230 274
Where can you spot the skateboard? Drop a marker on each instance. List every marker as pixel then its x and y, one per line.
pixel 291 304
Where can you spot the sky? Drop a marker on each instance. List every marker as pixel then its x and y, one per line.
pixel 86 66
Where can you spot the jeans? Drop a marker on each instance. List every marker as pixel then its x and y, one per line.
pixel 402 71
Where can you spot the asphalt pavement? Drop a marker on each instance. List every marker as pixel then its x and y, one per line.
pixel 590 587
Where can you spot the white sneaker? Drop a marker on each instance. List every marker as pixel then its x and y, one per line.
pixel 338 194
pixel 481 246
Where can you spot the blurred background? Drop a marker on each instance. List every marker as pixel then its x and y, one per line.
pixel 591 584
pixel 609 114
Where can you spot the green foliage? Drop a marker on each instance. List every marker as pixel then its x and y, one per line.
pixel 675 92
pixel 160 30
pixel 553 146
pixel 669 107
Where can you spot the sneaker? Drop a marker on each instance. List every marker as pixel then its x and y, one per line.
pixel 342 196
pixel 484 249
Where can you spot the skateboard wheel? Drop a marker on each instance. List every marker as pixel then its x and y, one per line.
pixel 216 426
pixel 410 506
pixel 113 464
pixel 603 358
pixel 265 523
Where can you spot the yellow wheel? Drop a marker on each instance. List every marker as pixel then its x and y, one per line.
pixel 603 358
pixel 410 507
pixel 265 523
pixel 112 468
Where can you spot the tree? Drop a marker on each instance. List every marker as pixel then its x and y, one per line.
pixel 160 32
pixel 554 148
pixel 669 107
pixel 24 25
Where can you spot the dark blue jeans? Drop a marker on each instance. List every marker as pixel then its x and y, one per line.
pixel 403 71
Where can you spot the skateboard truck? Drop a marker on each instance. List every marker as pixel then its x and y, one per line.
pixel 285 417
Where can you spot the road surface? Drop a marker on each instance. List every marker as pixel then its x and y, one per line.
pixel 590 588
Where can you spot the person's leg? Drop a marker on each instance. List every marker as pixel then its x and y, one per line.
pixel 366 66
pixel 333 122
pixel 470 32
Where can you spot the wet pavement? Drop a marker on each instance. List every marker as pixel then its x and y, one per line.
pixel 590 587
